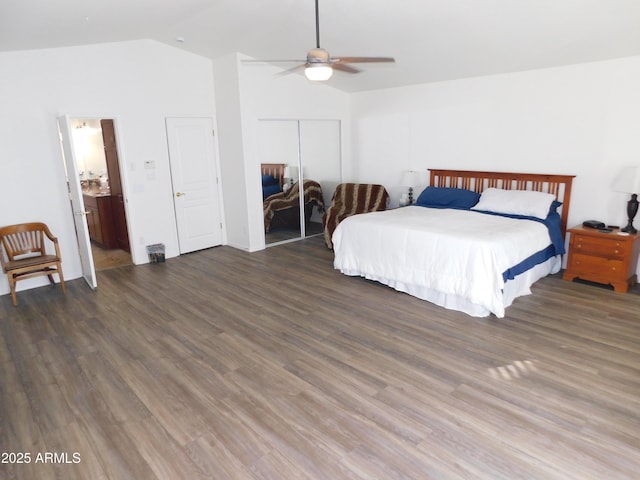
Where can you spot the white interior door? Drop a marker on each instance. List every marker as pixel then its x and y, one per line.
pixel 195 182
pixel 77 203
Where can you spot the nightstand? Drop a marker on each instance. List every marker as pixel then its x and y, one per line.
pixel 609 258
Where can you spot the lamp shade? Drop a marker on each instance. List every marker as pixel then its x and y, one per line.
pixel 290 171
pixel 410 178
pixel 628 180
pixel 318 72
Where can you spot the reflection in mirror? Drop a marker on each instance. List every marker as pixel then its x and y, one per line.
pixel 89 149
pixel 96 152
pixel 297 153
pixel 278 150
pixel 321 162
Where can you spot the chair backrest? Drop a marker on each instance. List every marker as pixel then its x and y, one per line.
pixel 351 199
pixel 23 239
pixel 360 197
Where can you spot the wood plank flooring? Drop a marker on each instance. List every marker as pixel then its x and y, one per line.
pixel 223 364
pixel 108 258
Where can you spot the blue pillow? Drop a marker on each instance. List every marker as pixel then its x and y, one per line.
pixel 269 180
pixel 269 190
pixel 445 197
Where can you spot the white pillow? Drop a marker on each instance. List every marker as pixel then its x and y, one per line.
pixel 516 202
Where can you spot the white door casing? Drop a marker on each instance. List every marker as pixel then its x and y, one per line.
pixel 77 202
pixel 195 183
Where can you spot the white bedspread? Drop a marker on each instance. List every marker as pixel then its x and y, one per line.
pixel 452 252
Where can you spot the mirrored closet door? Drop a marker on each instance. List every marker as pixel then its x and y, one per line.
pixel 300 168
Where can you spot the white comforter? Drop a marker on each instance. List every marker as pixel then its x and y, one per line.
pixel 453 252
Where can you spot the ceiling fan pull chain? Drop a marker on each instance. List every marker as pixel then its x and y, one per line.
pixel 317 26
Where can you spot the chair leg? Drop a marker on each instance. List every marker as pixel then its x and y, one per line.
pixel 64 288
pixel 12 286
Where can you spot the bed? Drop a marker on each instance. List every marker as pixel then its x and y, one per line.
pixel 475 242
pixel 272 178
pixel 281 206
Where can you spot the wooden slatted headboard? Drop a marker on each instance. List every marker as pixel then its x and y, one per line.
pixel 275 169
pixel 558 185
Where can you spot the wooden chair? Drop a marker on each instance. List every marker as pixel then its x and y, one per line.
pixel 26 255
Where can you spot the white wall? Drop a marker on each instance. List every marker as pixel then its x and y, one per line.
pixel 232 156
pixel 138 84
pixel 581 120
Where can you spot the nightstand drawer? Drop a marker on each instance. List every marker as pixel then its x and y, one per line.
pixel 580 263
pixel 601 247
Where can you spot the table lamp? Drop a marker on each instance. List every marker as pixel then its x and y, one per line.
pixel 291 174
pixel 628 181
pixel 411 179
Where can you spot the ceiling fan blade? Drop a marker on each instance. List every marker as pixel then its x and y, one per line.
pixel 344 68
pixel 362 59
pixel 290 70
pixel 274 61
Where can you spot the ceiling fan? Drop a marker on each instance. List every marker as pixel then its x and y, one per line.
pixel 319 64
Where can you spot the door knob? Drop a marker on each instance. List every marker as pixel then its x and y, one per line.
pixel 180 194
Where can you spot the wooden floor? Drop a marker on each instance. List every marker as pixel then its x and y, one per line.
pixel 283 234
pixel 109 258
pixel 270 365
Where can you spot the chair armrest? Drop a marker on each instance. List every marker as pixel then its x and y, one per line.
pixel 53 239
pixel 57 247
pixel 48 233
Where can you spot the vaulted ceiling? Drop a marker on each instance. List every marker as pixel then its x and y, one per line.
pixel 431 40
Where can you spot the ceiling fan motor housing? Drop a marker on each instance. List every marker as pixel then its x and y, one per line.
pixel 318 55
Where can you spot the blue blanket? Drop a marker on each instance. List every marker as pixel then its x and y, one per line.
pixel 552 222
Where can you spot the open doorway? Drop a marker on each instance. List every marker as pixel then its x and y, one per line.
pixel 98 167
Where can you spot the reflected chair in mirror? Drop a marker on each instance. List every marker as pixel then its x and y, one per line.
pixel 24 254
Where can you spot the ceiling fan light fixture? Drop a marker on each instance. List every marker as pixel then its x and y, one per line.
pixel 318 72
